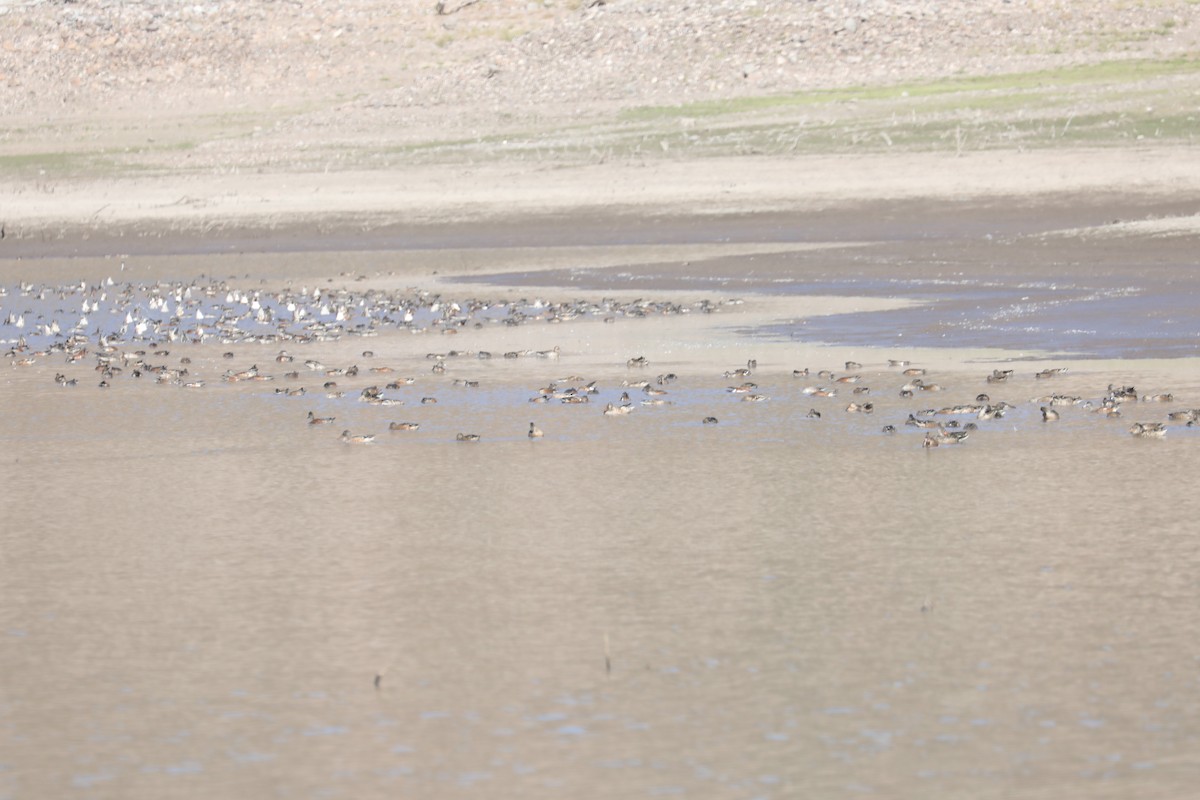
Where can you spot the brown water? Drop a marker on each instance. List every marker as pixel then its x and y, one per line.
pixel 199 589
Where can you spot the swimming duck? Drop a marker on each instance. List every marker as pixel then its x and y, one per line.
pixel 709 421
pixel 990 412
pixel 357 438
pixel 1059 400
pixel 1122 392
pixel 313 419
pixel 468 437
pixel 1048 414
pixel 1148 430
pixel 535 432
pixel 404 426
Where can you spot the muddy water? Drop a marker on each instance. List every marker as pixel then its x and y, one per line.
pixel 200 589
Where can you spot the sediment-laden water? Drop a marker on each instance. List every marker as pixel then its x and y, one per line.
pixel 203 594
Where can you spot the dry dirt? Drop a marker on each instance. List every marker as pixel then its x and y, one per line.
pixel 134 118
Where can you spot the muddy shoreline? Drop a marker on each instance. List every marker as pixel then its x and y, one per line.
pixel 846 221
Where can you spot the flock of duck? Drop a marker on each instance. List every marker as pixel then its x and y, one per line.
pixel 126 330
pixel 205 310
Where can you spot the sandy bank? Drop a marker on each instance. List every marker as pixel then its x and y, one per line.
pixel 423 195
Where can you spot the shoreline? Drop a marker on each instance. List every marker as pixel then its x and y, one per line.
pixel 195 209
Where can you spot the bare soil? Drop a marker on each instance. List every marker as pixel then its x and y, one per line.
pixel 129 120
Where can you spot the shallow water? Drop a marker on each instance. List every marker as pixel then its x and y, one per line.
pixel 1126 315
pixel 199 589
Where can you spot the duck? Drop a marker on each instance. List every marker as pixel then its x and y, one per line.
pixel 404 426
pixel 1048 414
pixel 468 437
pixel 613 410
pixel 1148 430
pixel 535 432
pixel 313 419
pixel 709 421
pixel 357 438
